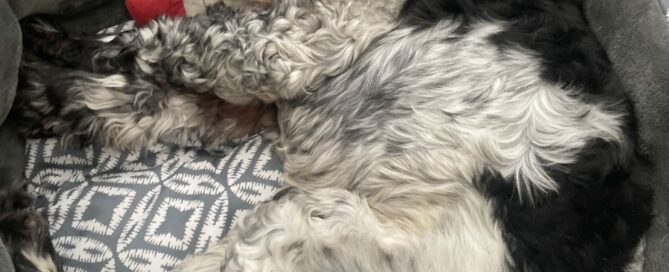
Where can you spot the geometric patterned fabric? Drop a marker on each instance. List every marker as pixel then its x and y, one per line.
pixel 145 210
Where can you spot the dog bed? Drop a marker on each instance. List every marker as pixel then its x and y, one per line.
pixel 132 211
pixel 146 210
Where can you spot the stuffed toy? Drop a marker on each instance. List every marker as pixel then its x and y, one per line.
pixel 143 11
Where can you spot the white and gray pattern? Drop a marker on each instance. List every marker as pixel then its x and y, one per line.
pixel 145 211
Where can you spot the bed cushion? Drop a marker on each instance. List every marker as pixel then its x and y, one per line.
pixel 635 35
pixel 10 51
pixel 145 211
pixel 665 7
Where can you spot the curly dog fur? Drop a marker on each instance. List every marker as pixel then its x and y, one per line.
pixel 417 135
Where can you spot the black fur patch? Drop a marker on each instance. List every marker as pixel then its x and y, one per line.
pixel 66 50
pixel 593 223
pixel 555 29
pixel 599 215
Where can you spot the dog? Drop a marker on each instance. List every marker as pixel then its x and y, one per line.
pixel 417 135
pixel 24 232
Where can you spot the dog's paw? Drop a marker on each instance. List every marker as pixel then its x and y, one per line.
pixel 32 103
pixel 26 236
pixel 24 232
pixel 59 48
pixel 16 197
pixel 44 40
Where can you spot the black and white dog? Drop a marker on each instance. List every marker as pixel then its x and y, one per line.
pixel 417 135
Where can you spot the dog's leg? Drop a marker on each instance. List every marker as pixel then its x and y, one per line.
pixel 283 50
pixel 126 112
pixel 85 53
pixel 320 230
pixel 179 65
pixel 338 230
pixel 89 52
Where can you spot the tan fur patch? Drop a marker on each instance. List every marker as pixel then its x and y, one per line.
pixel 247 118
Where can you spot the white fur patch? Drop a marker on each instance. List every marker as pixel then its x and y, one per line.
pixel 41 263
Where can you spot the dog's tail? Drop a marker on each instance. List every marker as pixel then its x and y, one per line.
pixel 24 232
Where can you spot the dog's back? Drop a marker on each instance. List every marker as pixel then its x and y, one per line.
pixel 515 98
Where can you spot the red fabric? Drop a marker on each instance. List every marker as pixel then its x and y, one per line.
pixel 143 11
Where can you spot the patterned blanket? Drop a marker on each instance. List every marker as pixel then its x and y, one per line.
pixel 145 211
